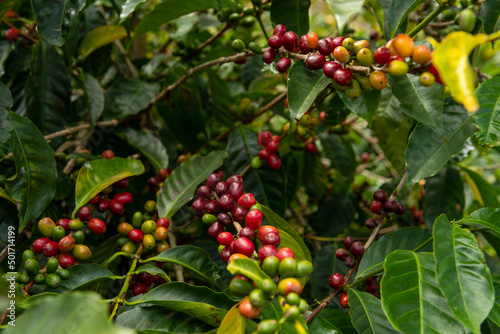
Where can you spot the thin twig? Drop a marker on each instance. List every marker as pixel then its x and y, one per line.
pixel 83 142
pixel 210 40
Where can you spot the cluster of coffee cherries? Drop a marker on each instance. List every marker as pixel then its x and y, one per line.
pixel 64 239
pixel 383 205
pixel 142 282
pixel 103 202
pixel 270 145
pixel 155 182
pixel 356 248
pixel 152 234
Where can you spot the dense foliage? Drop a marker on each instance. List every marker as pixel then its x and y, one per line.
pixel 249 166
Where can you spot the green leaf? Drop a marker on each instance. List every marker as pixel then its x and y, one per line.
pixel 381 10
pixel 452 63
pixel 424 104
pixel 487 117
pixel 278 222
pixel 343 10
pixel 83 312
pixel 405 238
pixel 196 301
pixel 487 217
pixel 35 182
pixel 495 311
pixel 249 268
pixel 462 274
pixel 100 37
pixel 6 48
pixel 411 297
pixel 55 19
pixel 365 105
pixel 99 174
pixel 325 264
pixel 104 249
pixel 190 257
pixel 337 150
pixel 128 97
pixel 169 10
pixel 398 12
pixel 82 276
pixel 233 322
pixel 366 313
pixel 484 192
pixel 128 7
pixel 153 318
pixel 427 152
pixel 294 14
pixel 179 188
pixel 153 270
pixel 331 321
pixel 149 145
pixel 94 97
pixel 266 184
pixel 48 89
pixel 304 86
pixel 313 176
pixel 5 104
pixel 444 193
pixel 489 13
pixel 336 213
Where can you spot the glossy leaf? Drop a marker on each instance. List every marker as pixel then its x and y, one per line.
pixel 5 49
pixel 190 257
pixel 398 12
pixel 196 301
pixel 128 7
pixel 304 86
pixel 367 314
pixel 149 145
pixel 155 318
pixel 411 297
pixel 100 37
pixel 128 97
pixel 339 153
pixel 94 97
pixel 487 117
pixel 266 184
pixel 55 19
pixel 484 192
pixel 249 268
pixel 99 174
pixel 487 217
pixel 169 10
pixel 444 193
pixel 35 182
pixel 83 276
pixel 332 321
pixel 294 14
pixel 427 152
pixel 405 238
pixel 153 270
pixel 179 188
pixel 48 90
pixel 451 61
pixel 344 10
pixel 233 322
pixel 5 104
pixel 424 104
pixel 495 311
pixel 83 312
pixel 365 105
pixel 462 274
pixel 381 10
pixel 489 13
pixel 281 224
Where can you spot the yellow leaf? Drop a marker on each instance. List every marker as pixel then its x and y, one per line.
pixel 233 322
pixel 451 61
pixel 99 37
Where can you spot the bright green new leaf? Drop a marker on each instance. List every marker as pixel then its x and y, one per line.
pixel 249 268
pixel 367 315
pixel 487 217
pixel 233 322
pixel 487 117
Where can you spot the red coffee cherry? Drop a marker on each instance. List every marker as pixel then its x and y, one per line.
pixel 66 260
pixel 225 238
pixel 269 56
pixel 273 146
pixel 336 281
pixel 357 249
pixel 330 68
pixel 381 55
pixel 247 200
pixel 124 198
pixel 283 65
pixel 254 219
pixel 211 206
pixel 315 61
pixel 136 235
pixel 303 46
pixel 50 248
pixel 139 289
pixel 401 209
pixel 273 161
pixel 272 238
pixel 380 195
pixel 213 179
pixel 275 42
pixel 236 190
pixel 264 230
pixel 226 203
pixel 344 300
pixel 370 223
pixel 116 207
pixel 108 154
pixel 348 242
pixel 122 184
pixel 243 246
pixel 103 205
pixel 154 181
pixel 247 233
pixel 221 188
pixel 342 77
pixel 279 30
pixel 11 34
pixel 390 206
pixel 224 218
pixel 215 229
pixel 95 200
pixel 97 226
pixel 341 254
pixel 324 47
pixel 66 244
pixel 226 254
pixel 337 41
pixel 311 148
pixel 39 243
pixel 264 138
pixel 163 222
pixel 376 207
pixel 284 253
pixel 85 213
pixel 265 251
pixel 64 222
pixel 290 41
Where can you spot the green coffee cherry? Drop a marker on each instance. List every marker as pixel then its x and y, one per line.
pixel 240 287
pixel 257 298
pixel 267 326
pixel 293 298
pixel 287 267
pixel 208 218
pixel 46 225
pixel 256 163
pixel 39 279
pixel 467 20
pixel 256 48
pixel 52 265
pixel 150 206
pixel 238 45
pixel 148 226
pixel 32 267
pixel 58 233
pixel 247 21
pixel 304 268
pixel 24 278
pixel 63 273
pixel 353 90
pixel 303 306
pixel 28 254
pixel 75 225
pixel 271 266
pixel 53 280
pixel 129 247
pixel 269 287
pixel 79 237
pixel 137 219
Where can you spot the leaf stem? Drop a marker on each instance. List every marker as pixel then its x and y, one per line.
pixel 425 243
pixel 426 21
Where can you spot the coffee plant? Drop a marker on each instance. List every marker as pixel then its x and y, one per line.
pixel 250 166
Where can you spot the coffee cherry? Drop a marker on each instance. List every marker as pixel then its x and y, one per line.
pixel 160 234
pixel 103 205
pixel 330 68
pixel 357 249
pixel 370 223
pixel 50 248
pixel 404 45
pixel 365 57
pixel 353 90
pixel 264 138
pixel 236 190
pixel 213 179
pixel 378 79
pixel 244 246
pixel 303 46
pixel 221 188
pixel 393 58
pixel 380 195
pixel 79 236
pixel 401 209
pixel 265 251
pixel 361 44
pixel 375 207
pixel 434 72
pixel 52 265
pixel 382 55
pixel 290 41
pixel 136 235
pixel 336 42
pixel 139 289
pixel 247 200
pixel 66 244
pixel 324 47
pixel 116 207
pixel 263 154
pixel 64 222
pixel 398 68
pixel 344 300
pixel 348 242
pixel 108 154
pixel 52 281
pixel 427 79
pixel 342 77
pixel 390 206
pixel 226 202
pixel 124 228
pixel 315 61
pixel 341 254
pixel 149 241
pixel 275 42
pixel 312 40
pixel 466 20
pixel 269 56
pixel 304 268
pixel 421 54
pixel 341 54
pixel 224 219
pixel 225 238
pixel 46 225
pixel 264 230
pixel 85 213
pixel 284 253
pixel 348 43
pixel 97 226
pixel 238 45
pixel 336 281
pixel 214 230
pixel 163 222
pixel 154 182
pixel 39 279
pixel 283 65
pixel 11 34
pixel 124 198
pixel 247 233
pixel 122 184
pixel 273 161
pixel 226 254
pixel 273 146
pixel 311 148
pixel 272 238
pixel 240 286
pixel 287 285
pixel 248 310
pixel 268 326
pixel 32 266
pixel 279 30
pixel 81 252
pixel 57 233
pixel 199 204
pixel 254 219
pixel 257 298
